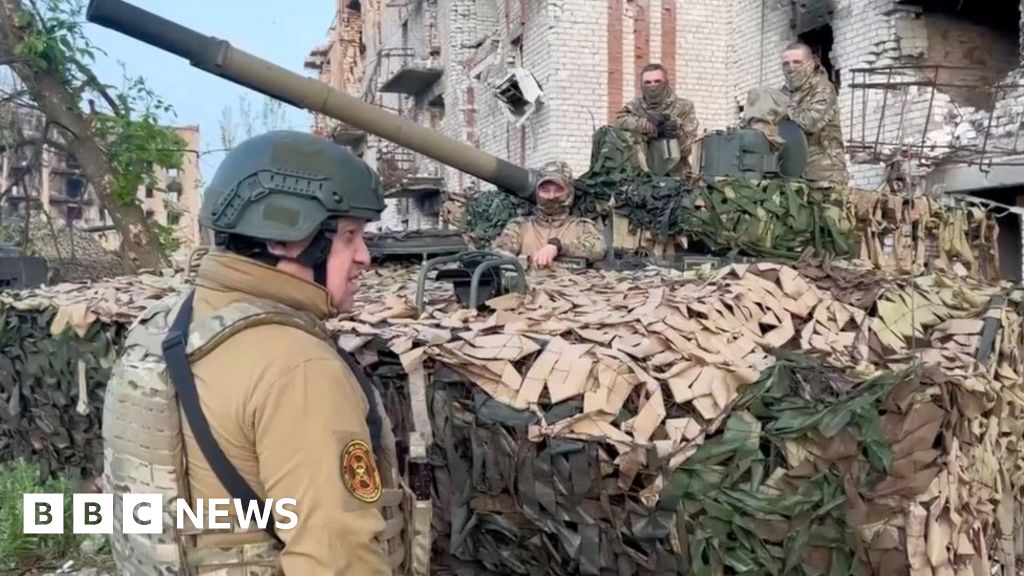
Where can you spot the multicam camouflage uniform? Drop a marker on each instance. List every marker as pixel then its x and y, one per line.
pixel 662 99
pixel 814 106
pixel 579 237
pixel 764 109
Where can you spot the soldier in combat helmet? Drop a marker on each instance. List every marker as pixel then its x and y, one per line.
pixel 552 232
pixel 270 408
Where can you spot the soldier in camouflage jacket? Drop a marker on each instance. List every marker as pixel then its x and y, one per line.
pixel 813 105
pixel 552 232
pixel 658 98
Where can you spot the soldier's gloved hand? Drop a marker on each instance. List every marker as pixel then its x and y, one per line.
pixel 670 129
pixel 545 256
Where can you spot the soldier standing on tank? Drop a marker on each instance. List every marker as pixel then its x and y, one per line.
pixel 678 123
pixel 552 232
pixel 285 406
pixel 814 106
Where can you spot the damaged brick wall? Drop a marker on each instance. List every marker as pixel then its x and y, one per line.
pixel 456 26
pixel 410 38
pixel 587 62
pixel 878 33
pixel 988 55
pixel 962 105
pixel 346 61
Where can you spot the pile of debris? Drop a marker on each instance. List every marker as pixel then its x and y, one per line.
pixel 820 418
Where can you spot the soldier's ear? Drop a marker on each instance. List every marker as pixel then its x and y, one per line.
pixel 289 250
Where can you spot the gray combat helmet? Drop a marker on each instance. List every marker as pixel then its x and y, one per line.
pixel 284 185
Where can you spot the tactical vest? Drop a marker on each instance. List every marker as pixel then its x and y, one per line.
pixel 143 449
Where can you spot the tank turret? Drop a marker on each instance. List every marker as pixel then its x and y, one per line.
pixel 220 58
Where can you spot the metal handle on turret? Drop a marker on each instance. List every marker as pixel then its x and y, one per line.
pixel 220 58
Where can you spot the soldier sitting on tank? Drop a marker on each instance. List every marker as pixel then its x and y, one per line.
pixel 285 406
pixel 665 124
pixel 552 232
pixel 813 106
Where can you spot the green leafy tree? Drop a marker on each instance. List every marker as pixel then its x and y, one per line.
pixel 113 133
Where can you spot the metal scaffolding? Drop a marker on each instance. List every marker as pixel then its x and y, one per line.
pixel 867 138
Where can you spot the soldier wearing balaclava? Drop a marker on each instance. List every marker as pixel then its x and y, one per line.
pixel 552 232
pixel 665 124
pixel 813 105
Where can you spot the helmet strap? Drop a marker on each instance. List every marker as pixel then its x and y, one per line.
pixel 315 256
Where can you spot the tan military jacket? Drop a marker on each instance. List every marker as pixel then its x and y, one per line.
pixel 580 237
pixel 283 407
pixel 681 109
pixel 815 108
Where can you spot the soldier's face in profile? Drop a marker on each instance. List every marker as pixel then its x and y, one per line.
pixel 348 258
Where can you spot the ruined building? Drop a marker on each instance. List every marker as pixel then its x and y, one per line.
pixel 58 187
pixel 928 88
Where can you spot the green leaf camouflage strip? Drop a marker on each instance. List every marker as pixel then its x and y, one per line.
pixel 822 418
pixel 487 212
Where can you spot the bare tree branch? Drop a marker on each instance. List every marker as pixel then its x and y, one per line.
pixel 94 83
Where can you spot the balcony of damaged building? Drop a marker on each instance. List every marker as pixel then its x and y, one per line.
pixel 405 77
pixel 940 111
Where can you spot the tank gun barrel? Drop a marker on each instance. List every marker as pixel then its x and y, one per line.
pixel 220 58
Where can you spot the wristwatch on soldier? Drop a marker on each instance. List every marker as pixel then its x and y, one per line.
pixel 556 243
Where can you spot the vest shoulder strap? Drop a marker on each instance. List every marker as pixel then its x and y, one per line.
pixel 186 342
pixel 209 333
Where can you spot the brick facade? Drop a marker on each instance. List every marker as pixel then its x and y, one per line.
pixel 586 55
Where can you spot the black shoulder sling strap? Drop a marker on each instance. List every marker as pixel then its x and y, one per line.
pixel 174 346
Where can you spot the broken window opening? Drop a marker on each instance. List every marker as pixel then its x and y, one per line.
pixel 74 187
pixel 821 40
pixel 520 92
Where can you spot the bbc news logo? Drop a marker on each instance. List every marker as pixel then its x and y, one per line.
pixel 143 513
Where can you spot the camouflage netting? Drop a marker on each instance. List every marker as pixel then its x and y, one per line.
pixel 71 254
pixel 57 346
pixel 486 213
pixel 819 419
